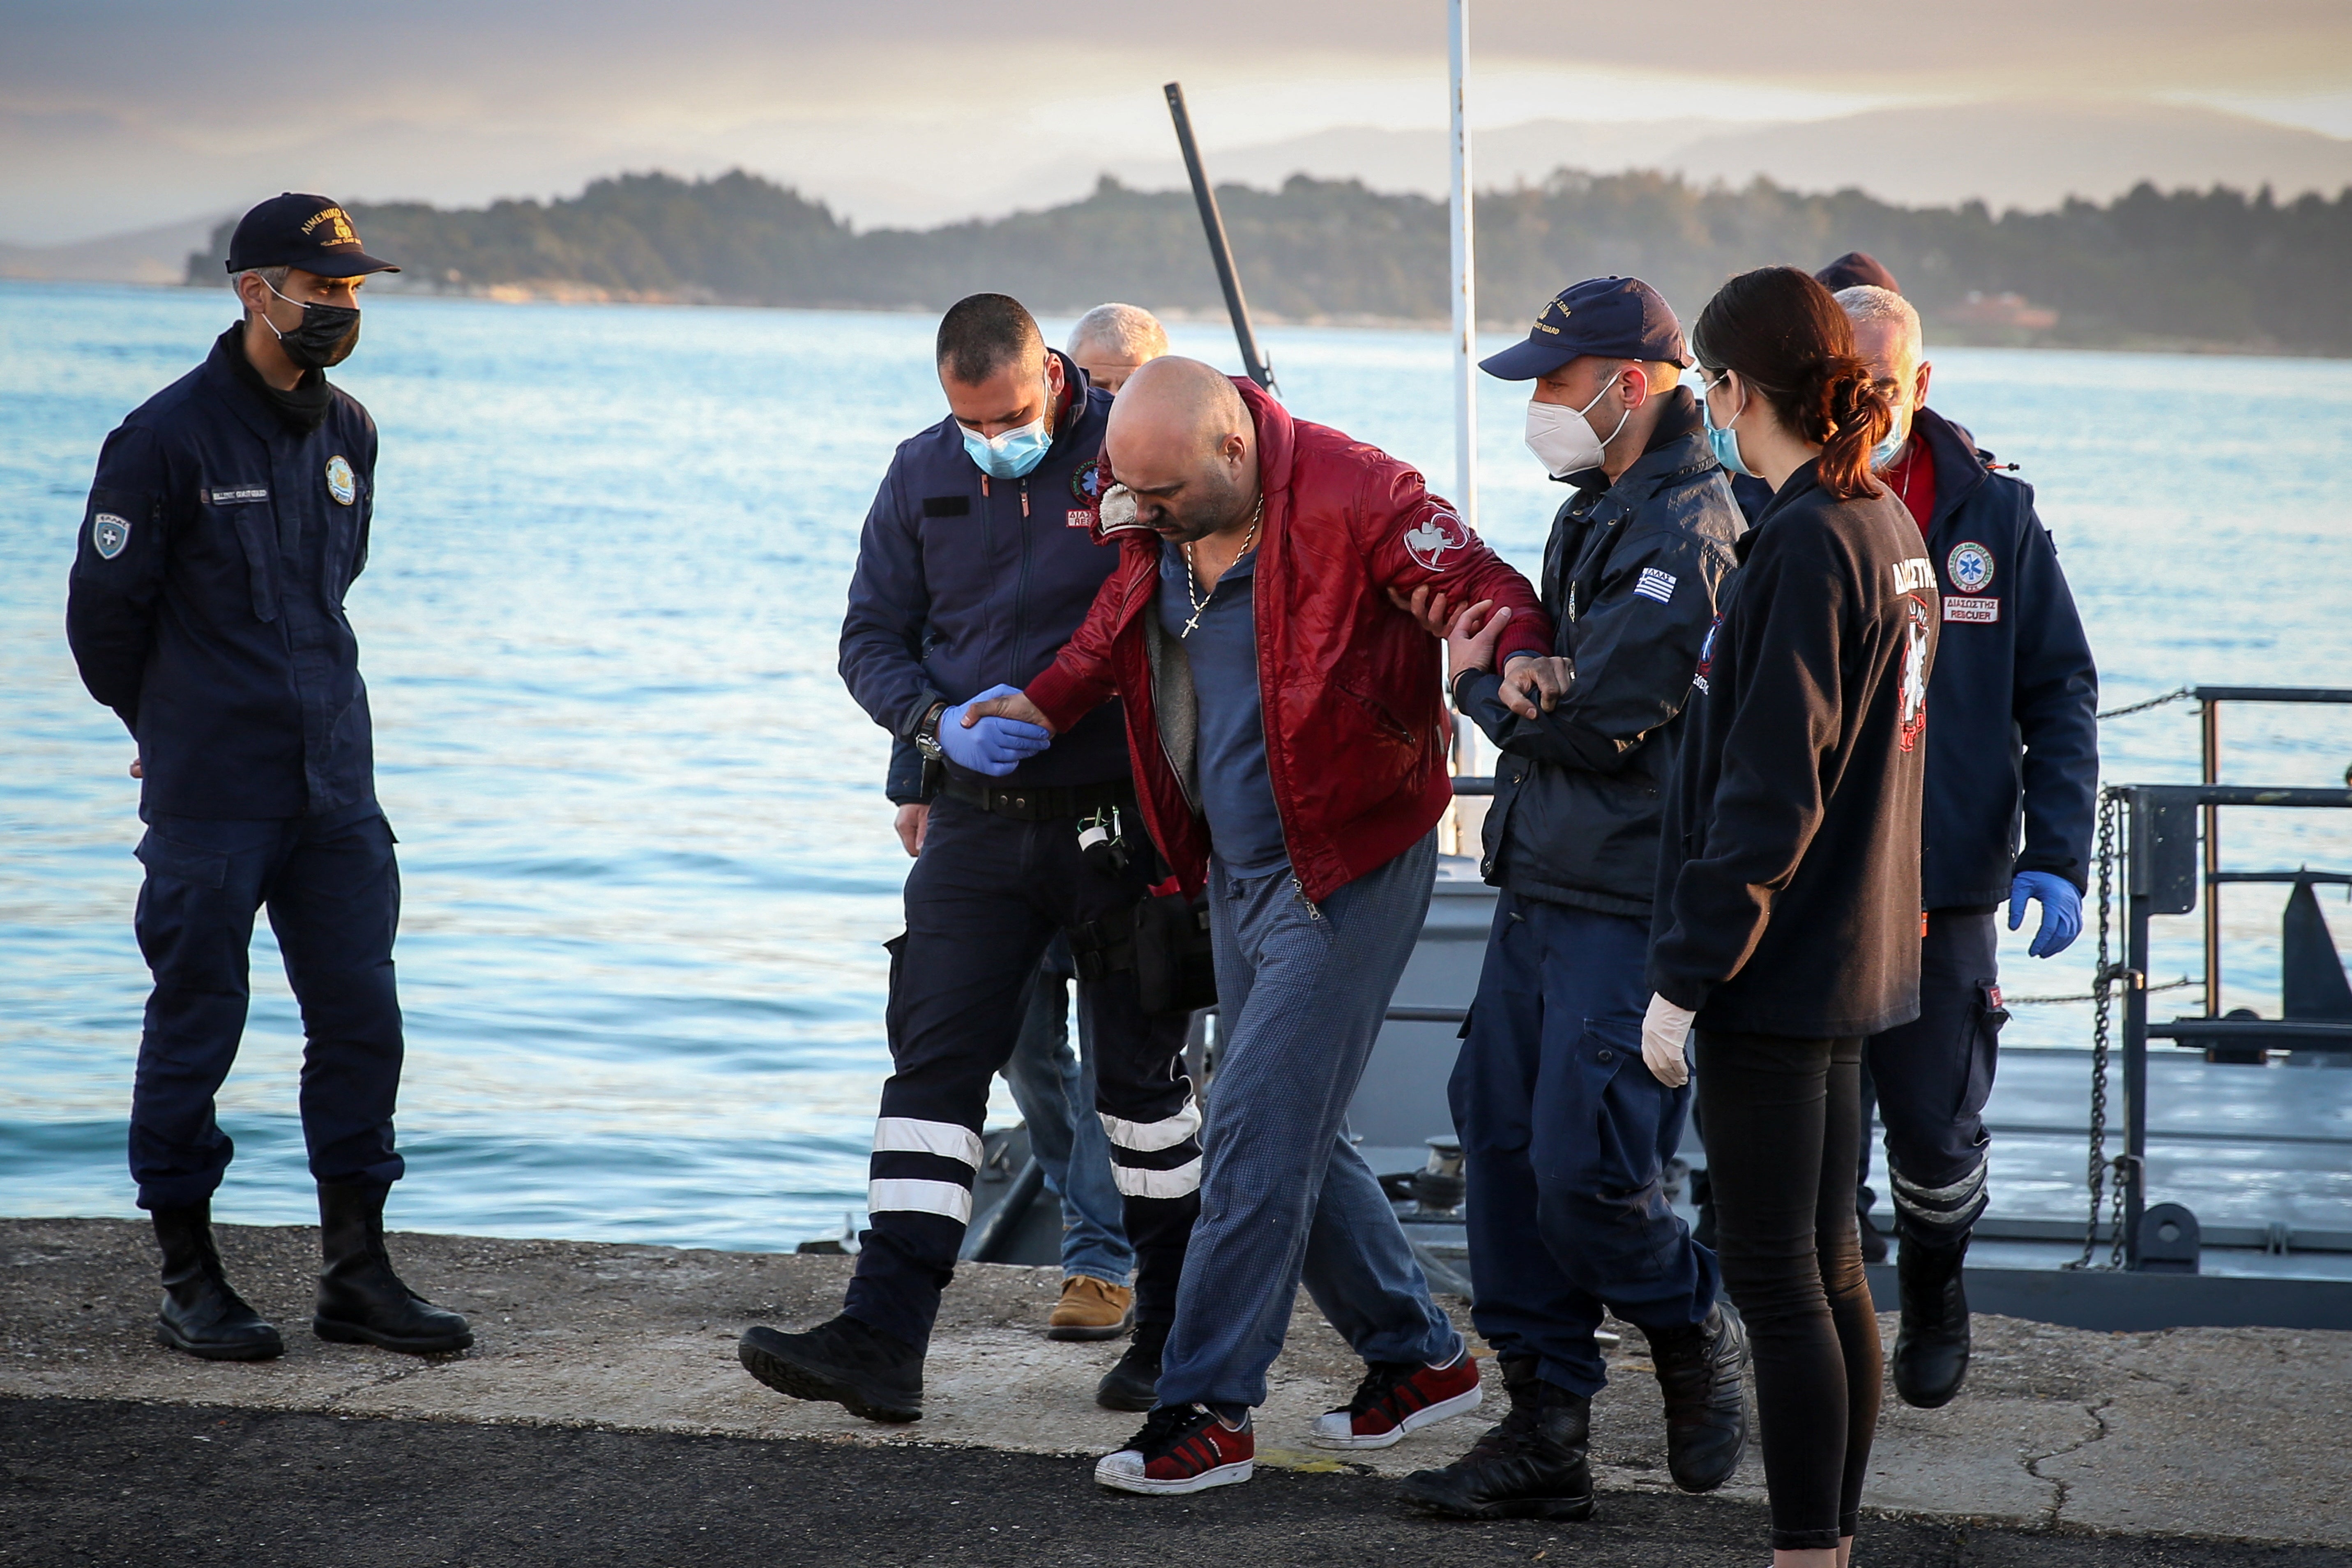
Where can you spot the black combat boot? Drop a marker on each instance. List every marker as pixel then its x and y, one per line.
pixel 361 1299
pixel 1532 1466
pixel 1132 1384
pixel 1931 1348
pixel 844 1362
pixel 200 1314
pixel 1699 1371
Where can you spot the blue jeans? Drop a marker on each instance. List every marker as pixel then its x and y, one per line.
pixel 1565 1136
pixel 1054 1088
pixel 1301 994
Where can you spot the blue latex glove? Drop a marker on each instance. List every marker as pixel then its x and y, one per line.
pixel 994 746
pixel 2062 910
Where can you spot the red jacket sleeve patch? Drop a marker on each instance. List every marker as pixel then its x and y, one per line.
pixel 1437 538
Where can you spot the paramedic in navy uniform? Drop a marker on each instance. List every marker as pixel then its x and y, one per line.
pixel 228 518
pixel 2012 791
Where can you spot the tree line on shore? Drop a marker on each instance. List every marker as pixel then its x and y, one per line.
pixel 2197 269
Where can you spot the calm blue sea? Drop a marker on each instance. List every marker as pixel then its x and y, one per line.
pixel 648 866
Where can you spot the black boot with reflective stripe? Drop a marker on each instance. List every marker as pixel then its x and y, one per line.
pixel 1931 1347
pixel 1530 1465
pixel 843 1362
pixel 1134 1382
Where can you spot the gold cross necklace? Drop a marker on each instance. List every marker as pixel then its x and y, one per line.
pixel 1191 578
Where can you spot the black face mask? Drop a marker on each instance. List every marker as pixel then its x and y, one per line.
pixel 327 336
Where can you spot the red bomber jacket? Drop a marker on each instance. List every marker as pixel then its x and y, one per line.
pixel 1356 728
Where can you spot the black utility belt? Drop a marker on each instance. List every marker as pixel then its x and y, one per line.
pixel 1043 803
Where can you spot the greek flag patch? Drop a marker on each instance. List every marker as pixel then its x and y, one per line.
pixel 1656 585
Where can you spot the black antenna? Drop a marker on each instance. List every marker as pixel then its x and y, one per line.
pixel 1220 251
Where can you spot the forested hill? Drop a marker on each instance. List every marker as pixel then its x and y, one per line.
pixel 2204 269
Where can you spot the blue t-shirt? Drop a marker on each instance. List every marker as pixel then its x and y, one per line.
pixel 1245 828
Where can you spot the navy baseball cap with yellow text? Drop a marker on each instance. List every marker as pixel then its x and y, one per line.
pixel 305 231
pixel 1615 317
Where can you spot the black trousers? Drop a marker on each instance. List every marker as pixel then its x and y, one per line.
pixel 983 901
pixel 1932 1076
pixel 1781 1129
pixel 332 888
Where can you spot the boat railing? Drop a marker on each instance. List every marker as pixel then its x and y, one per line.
pixel 2164 839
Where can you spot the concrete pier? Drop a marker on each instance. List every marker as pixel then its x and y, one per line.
pixel 2205 1444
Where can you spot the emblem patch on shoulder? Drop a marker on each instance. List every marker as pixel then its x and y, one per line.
pixel 108 535
pixel 1911 688
pixel 1086 483
pixel 1438 534
pixel 339 482
pixel 1970 566
pixel 1656 585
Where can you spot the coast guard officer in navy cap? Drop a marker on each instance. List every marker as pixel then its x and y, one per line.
pixel 1565 1133
pixel 228 518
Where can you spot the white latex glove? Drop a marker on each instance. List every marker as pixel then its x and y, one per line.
pixel 1665 1028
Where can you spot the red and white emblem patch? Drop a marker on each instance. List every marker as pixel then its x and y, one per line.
pixel 1437 535
pixel 1911 687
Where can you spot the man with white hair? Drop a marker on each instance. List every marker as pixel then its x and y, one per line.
pixel 1112 341
pixel 2012 740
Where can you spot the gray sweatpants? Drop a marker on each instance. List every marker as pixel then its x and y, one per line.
pixel 1301 992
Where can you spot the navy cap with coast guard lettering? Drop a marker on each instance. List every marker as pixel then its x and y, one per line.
pixel 297 230
pixel 1615 318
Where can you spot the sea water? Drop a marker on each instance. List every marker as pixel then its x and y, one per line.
pixel 647 865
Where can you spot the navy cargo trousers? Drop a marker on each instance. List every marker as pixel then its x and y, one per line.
pixel 985 898
pixel 1933 1075
pixel 332 888
pixel 1565 1136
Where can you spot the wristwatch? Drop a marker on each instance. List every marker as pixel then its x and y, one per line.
pixel 926 734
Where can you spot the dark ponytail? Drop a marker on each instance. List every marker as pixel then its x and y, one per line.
pixel 1792 345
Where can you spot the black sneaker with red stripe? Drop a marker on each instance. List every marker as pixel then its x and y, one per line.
pixel 1398 1397
pixel 1182 1448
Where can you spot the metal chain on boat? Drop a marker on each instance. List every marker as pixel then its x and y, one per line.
pixel 2178 694
pixel 2183 983
pixel 2103 1000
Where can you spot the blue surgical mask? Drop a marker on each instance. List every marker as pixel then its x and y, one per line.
pixel 1011 455
pixel 1722 438
pixel 1883 455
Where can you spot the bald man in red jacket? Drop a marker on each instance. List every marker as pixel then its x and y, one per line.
pixel 1289 732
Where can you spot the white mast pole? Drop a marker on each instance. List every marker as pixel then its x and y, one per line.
pixel 1465 282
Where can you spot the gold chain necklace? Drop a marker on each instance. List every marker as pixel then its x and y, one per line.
pixel 1191 578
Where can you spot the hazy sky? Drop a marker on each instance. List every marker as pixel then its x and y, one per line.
pixel 114 115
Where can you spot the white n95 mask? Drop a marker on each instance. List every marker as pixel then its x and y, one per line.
pixel 1562 441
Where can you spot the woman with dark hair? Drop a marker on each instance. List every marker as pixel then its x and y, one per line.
pixel 1788 907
